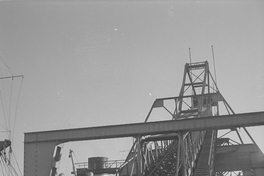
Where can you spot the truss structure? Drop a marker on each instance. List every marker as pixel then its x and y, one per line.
pixel 190 153
pixel 186 144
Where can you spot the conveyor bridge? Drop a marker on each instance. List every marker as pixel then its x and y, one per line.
pixel 187 144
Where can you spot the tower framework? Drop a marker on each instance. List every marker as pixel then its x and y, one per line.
pixel 194 153
pixel 184 145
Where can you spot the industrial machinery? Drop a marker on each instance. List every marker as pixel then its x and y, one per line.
pixel 186 144
pixel 193 153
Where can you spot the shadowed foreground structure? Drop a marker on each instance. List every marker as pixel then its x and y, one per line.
pixel 184 145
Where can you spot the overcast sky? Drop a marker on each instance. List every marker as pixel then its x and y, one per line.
pixel 104 63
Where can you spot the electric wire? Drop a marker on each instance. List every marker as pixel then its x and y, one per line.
pixel 1 165
pixel 13 170
pixel 6 66
pixel 15 159
pixel 16 108
pixel 3 100
pixel 18 167
pixel 10 106
pixel 9 126
pixel 6 131
pixel 75 157
pixel 4 166
pixel 4 113
pixel 9 116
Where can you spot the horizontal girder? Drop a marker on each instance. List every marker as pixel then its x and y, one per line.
pixel 150 128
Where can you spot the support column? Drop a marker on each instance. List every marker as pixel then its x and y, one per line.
pixel 183 154
pixel 38 158
pixel 139 157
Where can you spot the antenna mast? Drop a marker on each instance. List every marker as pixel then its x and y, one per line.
pixel 190 55
pixel 214 64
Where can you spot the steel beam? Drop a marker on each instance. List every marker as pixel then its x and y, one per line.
pixel 150 128
pixel 38 158
pixel 39 146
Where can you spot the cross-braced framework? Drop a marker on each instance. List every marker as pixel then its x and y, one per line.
pixel 185 144
pixel 184 153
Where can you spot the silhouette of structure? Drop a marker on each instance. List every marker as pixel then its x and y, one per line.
pixel 184 145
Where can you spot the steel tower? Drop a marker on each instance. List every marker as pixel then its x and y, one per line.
pixel 193 153
pixel 186 144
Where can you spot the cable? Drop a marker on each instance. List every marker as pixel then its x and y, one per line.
pixel 75 157
pixel 4 166
pixel 19 92
pixel 6 65
pixel 4 113
pixel 16 163
pixel 10 106
pixel 4 105
pixel 13 170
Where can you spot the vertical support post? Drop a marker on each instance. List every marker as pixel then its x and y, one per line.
pixel 183 154
pixel 40 157
pixel 183 86
pixel 139 157
pixel 204 79
pixel 178 156
pixel 132 167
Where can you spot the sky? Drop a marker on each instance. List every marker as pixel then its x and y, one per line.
pixel 96 63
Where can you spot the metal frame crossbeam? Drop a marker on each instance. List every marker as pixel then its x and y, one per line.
pixel 183 145
pixel 150 128
pixel 39 146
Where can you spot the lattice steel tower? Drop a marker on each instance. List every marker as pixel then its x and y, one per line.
pixel 193 153
pixel 186 144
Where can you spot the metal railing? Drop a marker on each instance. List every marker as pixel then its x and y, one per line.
pixel 101 165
